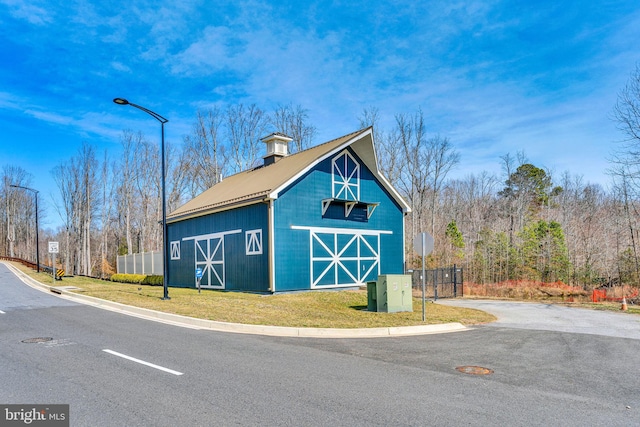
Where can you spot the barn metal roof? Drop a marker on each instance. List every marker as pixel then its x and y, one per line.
pixel 265 182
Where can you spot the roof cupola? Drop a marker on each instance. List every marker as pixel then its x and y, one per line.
pixel 277 147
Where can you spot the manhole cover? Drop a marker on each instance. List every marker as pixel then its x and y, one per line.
pixel 37 340
pixel 474 370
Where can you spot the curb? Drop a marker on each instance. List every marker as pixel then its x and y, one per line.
pixel 278 331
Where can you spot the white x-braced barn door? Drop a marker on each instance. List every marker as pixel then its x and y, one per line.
pixel 209 256
pixel 343 257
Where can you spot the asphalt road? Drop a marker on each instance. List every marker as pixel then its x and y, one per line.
pixel 540 377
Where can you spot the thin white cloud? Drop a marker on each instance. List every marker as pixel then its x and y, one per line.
pixel 33 11
pixel 49 117
pixel 211 52
pixel 119 66
pixel 9 101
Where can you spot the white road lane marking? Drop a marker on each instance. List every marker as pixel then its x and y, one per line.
pixel 142 362
pixel 2 312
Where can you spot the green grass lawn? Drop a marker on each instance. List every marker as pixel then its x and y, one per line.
pixel 318 309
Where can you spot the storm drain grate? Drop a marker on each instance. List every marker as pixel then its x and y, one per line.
pixel 474 370
pixel 37 340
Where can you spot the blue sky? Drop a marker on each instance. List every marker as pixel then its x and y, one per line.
pixel 495 77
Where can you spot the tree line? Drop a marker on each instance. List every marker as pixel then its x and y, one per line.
pixel 517 223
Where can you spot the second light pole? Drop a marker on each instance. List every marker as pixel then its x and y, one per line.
pixel 165 258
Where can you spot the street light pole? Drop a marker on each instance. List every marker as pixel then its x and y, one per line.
pixel 35 192
pixel 165 261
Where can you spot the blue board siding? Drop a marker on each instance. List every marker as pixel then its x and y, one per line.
pixel 299 206
pixel 241 271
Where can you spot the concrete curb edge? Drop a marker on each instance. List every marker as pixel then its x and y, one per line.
pixel 280 331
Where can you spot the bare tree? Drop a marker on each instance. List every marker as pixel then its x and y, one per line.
pixel 389 152
pixel 78 184
pixel 205 152
pixel 626 160
pixel 148 195
pixel 17 229
pixel 428 162
pixel 626 113
pixel 63 177
pixel 413 180
pixel 293 122
pixel 107 190
pixel 90 200
pixel 127 171
pixel 444 158
pixel 245 127
pixel 630 211
pixel 178 176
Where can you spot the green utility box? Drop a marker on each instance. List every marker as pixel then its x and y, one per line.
pixel 372 300
pixel 390 294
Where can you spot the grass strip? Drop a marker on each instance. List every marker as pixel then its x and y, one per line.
pixel 317 309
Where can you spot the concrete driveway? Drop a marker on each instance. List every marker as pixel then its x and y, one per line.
pixel 552 317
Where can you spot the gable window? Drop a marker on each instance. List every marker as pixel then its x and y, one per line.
pixel 175 250
pixel 253 242
pixel 345 177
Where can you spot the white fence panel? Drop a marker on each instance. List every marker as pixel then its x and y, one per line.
pixel 143 263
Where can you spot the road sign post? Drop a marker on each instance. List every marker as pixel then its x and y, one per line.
pixel 423 245
pixel 54 248
pixel 198 277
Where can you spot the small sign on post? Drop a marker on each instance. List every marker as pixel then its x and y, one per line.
pixel 198 277
pixel 423 245
pixel 54 248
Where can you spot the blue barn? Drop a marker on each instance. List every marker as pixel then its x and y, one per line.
pixel 321 218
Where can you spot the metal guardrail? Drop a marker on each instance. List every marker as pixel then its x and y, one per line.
pixel 59 272
pixel 21 261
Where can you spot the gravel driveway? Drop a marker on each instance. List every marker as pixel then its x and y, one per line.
pixel 552 317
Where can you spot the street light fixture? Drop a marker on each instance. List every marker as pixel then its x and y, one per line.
pixel 165 261
pixel 35 192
